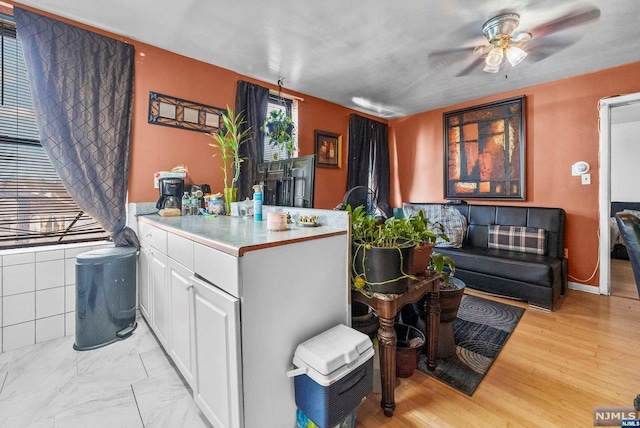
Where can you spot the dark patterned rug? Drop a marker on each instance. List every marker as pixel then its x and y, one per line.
pixel 480 330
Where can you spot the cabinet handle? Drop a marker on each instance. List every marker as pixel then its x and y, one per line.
pixel 189 287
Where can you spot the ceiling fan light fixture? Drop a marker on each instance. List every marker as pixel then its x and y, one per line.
pixel 491 68
pixel 494 57
pixel 515 55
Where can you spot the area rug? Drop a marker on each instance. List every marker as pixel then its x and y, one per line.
pixel 480 331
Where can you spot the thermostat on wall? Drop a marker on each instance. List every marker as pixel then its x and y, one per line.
pixel 579 168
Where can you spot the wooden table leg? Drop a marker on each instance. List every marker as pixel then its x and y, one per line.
pixel 432 326
pixel 387 341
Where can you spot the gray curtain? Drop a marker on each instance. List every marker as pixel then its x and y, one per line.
pixel 369 159
pixel 251 101
pixel 82 88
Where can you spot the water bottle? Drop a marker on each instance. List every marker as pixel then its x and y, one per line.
pixel 194 204
pixel 186 209
pixel 257 202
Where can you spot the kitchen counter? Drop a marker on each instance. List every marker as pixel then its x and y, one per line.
pixel 237 235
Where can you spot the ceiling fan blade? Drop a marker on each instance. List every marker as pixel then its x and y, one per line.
pixel 573 19
pixel 476 64
pixel 440 59
pixel 541 50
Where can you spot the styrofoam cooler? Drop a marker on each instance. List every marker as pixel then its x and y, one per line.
pixel 338 374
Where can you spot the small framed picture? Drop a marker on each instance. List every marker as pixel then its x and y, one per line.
pixel 328 149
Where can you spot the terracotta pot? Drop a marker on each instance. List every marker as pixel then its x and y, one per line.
pixel 421 257
pixel 449 305
pixel 407 357
pixel 450 300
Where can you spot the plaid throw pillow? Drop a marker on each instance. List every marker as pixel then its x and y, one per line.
pixel 517 238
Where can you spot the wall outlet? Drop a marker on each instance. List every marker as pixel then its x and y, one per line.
pixel 586 178
pixel 566 253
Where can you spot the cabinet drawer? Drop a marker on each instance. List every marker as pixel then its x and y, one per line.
pixel 153 236
pixel 218 268
pixel 180 250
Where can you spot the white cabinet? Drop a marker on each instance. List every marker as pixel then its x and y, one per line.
pixel 181 341
pixel 231 322
pixel 144 282
pixel 218 376
pixel 158 272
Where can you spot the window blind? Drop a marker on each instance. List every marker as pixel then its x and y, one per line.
pixel 35 208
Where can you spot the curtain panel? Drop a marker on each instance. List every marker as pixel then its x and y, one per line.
pixel 369 159
pixel 82 88
pixel 251 101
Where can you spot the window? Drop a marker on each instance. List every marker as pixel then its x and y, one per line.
pixel 35 208
pixel 289 107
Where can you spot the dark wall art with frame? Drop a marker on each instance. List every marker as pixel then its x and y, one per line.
pixel 178 113
pixel 328 149
pixel 484 149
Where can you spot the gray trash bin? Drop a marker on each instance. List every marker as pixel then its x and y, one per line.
pixel 105 296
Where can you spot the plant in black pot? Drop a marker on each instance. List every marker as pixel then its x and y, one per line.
pixel 382 251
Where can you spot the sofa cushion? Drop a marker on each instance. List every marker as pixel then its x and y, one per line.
pixel 453 222
pixel 517 238
pixel 524 267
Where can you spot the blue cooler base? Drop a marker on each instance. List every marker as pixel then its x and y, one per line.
pixel 328 406
pixel 304 422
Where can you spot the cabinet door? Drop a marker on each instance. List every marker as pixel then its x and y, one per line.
pixel 144 282
pixel 181 343
pixel 160 315
pixel 218 377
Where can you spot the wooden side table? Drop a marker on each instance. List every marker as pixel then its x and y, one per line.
pixel 387 306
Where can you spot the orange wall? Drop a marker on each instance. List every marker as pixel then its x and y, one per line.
pixel 562 128
pixel 156 148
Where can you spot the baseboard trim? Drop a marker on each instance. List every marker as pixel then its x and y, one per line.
pixel 584 287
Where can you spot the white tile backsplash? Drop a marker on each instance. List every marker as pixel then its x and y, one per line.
pixel 18 279
pixel 43 256
pixel 19 335
pixel 38 293
pixel 18 258
pixel 49 274
pixel 18 308
pixel 70 271
pixel 69 323
pixel 49 328
pixel 70 298
pixel 49 302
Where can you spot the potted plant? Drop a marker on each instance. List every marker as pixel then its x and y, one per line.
pixel 228 140
pixel 382 252
pixel 280 131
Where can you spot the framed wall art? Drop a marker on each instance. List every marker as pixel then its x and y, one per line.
pixel 484 148
pixel 328 149
pixel 170 111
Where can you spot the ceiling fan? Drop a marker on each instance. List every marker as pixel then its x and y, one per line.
pixel 506 45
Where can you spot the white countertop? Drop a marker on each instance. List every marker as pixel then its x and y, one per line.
pixel 236 235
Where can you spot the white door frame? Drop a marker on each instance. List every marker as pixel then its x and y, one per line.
pixel 606 105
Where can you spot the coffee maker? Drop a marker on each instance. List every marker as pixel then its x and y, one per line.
pixel 171 191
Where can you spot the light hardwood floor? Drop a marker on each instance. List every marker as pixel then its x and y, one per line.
pixel 554 369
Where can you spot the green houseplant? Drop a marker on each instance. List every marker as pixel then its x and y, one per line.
pixel 228 140
pixel 280 131
pixel 382 252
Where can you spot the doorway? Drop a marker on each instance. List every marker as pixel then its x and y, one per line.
pixel 619 157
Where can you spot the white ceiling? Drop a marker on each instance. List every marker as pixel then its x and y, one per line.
pixel 375 50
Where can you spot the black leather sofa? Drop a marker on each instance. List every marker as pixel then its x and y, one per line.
pixel 538 279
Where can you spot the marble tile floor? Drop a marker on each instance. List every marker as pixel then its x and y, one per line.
pixel 128 384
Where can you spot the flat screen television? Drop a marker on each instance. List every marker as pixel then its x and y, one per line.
pixel 288 182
